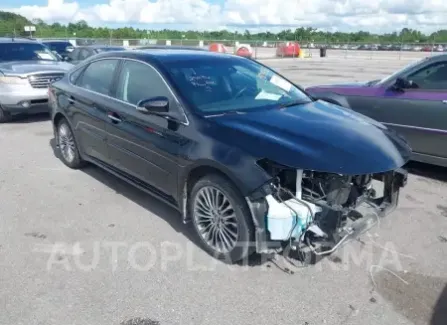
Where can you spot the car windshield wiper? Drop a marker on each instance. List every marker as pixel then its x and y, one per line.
pixel 292 103
pixel 226 113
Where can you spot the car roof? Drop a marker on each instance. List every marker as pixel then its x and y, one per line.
pixel 17 40
pixel 438 56
pixel 170 47
pixel 166 55
pixel 98 46
pixel 55 41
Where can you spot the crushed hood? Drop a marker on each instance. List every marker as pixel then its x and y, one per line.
pixel 317 136
pixel 27 67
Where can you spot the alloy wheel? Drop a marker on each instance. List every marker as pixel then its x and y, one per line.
pixel 66 143
pixel 215 219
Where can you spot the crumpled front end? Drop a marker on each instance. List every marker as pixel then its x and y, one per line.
pixel 320 211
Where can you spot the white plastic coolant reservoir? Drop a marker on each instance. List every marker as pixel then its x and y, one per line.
pixel 283 222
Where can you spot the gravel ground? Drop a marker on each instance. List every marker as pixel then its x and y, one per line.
pixel 58 226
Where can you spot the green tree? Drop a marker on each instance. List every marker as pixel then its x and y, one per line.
pixel 13 24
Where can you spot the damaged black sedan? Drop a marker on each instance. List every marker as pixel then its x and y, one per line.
pixel 244 154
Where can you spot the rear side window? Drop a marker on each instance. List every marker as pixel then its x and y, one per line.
pixel 98 76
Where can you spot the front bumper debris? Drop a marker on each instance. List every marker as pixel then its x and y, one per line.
pixel 367 213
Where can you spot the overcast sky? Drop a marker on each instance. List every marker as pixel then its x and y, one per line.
pixel 343 15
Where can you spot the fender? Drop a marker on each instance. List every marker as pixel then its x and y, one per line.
pixel 54 120
pixel 245 188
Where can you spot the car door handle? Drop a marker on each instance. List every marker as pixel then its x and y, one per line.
pixel 71 100
pixel 445 101
pixel 114 119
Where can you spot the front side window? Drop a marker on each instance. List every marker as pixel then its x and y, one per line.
pixel 139 81
pixel 98 76
pixel 432 77
pixel 402 71
pixel 214 85
pixel 16 51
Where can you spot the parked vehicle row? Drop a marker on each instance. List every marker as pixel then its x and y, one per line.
pixel 28 66
pixel 81 53
pixel 383 47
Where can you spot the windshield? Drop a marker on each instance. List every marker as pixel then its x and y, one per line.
pixel 402 71
pixel 25 52
pixel 216 85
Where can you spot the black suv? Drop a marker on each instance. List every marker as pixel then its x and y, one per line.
pixel 62 48
pixel 239 150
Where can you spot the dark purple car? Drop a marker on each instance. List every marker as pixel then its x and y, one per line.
pixel 413 101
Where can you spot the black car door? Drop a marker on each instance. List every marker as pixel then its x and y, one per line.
pixel 141 145
pixel 89 102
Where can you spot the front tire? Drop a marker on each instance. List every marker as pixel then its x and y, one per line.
pixel 4 116
pixel 221 219
pixel 68 149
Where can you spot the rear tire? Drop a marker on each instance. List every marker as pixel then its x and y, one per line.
pixel 68 148
pixel 221 219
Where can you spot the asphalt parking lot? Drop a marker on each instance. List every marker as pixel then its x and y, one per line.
pixel 54 222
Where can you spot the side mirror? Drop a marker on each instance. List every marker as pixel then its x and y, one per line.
pixel 402 83
pixel 156 105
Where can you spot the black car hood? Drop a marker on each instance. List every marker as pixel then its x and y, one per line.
pixel 33 66
pixel 316 136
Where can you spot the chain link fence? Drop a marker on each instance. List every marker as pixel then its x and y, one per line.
pixel 282 48
pixel 260 49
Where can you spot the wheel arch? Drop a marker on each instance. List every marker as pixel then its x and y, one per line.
pixel 201 168
pixel 57 118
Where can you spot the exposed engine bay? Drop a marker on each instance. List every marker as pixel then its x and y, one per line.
pixel 320 211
